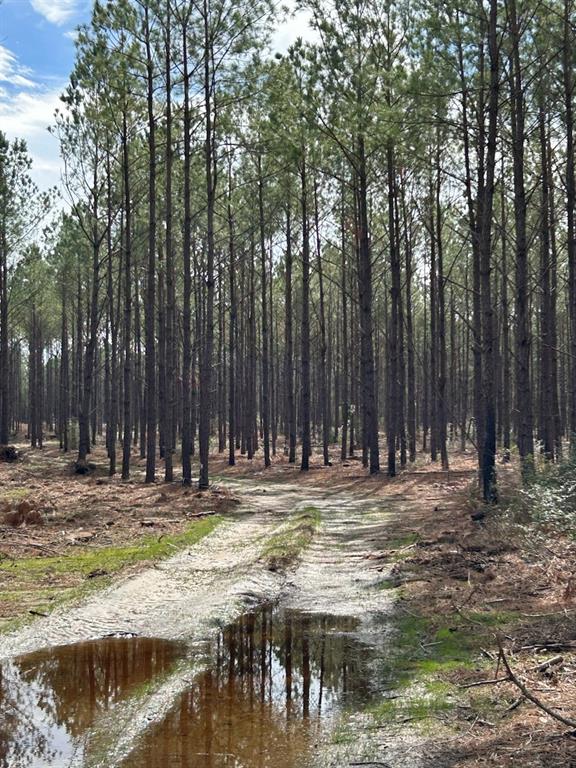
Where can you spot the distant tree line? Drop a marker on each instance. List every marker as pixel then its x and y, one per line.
pixel 368 241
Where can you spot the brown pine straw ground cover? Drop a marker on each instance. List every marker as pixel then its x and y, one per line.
pixel 496 586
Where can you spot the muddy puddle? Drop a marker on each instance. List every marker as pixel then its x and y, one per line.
pixel 275 681
pixel 50 699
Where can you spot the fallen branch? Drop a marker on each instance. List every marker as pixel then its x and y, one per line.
pixel 549 647
pixel 530 696
pixel 550 663
pixel 515 704
pixel 478 721
pixel 466 618
pixel 493 681
pixel 372 762
pixel 563 612
pixel 470 596
pixel 201 514
pixel 42 547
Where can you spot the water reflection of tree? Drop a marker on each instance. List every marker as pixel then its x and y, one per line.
pixel 64 689
pixel 261 704
pixel 19 724
pixel 305 660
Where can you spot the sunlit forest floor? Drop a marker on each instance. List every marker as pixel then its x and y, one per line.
pixel 61 533
pixel 468 585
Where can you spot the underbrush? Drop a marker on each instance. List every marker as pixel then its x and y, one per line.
pixel 548 502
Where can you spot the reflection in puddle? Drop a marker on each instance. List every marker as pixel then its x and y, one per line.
pixel 276 679
pixel 49 699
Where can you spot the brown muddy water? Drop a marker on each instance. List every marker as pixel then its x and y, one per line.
pixel 275 681
pixel 50 699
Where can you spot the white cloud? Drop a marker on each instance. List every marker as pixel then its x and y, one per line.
pixel 27 108
pixel 56 11
pixel 294 24
pixel 27 116
pixel 12 72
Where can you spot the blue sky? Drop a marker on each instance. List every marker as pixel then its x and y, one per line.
pixel 39 33
pixel 36 57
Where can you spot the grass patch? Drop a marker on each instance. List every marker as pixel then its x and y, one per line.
pixel 110 559
pixel 400 547
pixel 428 646
pixel 41 583
pixel 343 736
pixel 424 652
pixel 288 543
pixel 387 584
pixel 14 494
pixel 416 707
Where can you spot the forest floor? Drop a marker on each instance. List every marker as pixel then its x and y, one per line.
pixel 439 595
pixel 62 535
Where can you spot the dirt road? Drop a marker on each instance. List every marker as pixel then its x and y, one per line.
pixel 189 596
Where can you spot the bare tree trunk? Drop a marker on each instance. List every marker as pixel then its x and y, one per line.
pixel 305 340
pixel 433 403
pixel 232 331
pixel 525 438
pixel 570 183
pixel 547 376
pixel 4 338
pixel 485 240
pixel 393 416
pixel 323 389
pixel 150 329
pixel 127 415
pixel 366 321
pixel 411 375
pixel 505 314
pixel 442 362
pixel 64 420
pixel 345 388
pixel 265 332
pixel 187 296
pixel 474 211
pixel 211 180
pixel 94 311
pixel 171 340
pixel 289 347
